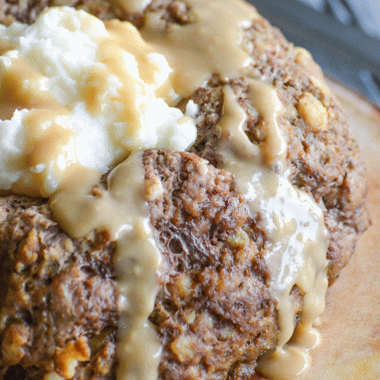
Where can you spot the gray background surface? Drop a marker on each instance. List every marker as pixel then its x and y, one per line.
pixel 365 13
pixel 342 35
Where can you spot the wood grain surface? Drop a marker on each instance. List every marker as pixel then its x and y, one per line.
pixel 350 325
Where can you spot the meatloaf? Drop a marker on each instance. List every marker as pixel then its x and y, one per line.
pixel 214 313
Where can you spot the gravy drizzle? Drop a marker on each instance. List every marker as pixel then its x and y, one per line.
pixel 122 211
pixel 209 45
pixel 296 241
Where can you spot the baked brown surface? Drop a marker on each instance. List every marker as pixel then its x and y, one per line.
pixel 57 295
pixel 214 301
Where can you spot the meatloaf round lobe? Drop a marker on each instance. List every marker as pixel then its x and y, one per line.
pixel 214 313
pixel 324 163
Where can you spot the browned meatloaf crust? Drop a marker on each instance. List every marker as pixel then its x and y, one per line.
pixel 214 313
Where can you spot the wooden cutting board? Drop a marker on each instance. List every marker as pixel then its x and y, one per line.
pixel 350 325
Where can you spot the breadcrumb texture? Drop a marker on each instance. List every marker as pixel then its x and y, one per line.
pixel 213 314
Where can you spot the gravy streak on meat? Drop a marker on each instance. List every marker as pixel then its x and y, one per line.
pixel 209 45
pixel 121 210
pixel 264 98
pixel 296 247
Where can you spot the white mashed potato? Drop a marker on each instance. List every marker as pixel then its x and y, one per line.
pixel 79 95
